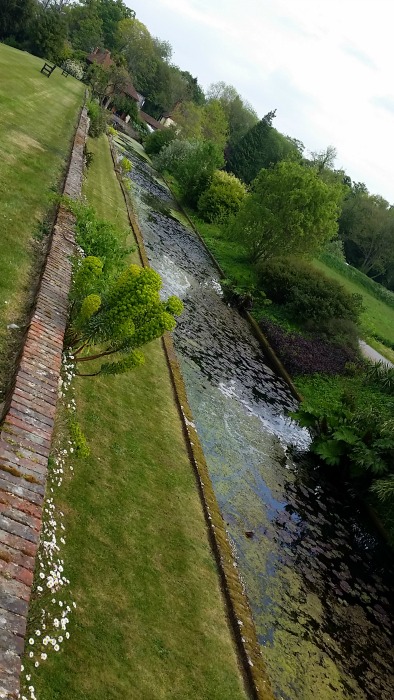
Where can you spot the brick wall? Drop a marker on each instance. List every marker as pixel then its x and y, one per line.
pixel 26 433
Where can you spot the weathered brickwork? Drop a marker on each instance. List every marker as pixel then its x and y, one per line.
pixel 26 433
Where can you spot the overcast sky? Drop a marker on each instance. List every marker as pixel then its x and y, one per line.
pixel 326 66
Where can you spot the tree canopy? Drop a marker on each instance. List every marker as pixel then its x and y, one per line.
pixel 261 147
pixel 290 211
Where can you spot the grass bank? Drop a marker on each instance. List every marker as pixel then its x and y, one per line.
pixel 150 621
pixel 37 121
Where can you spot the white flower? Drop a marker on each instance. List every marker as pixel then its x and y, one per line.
pixel 44 656
pixel 56 647
pixel 31 640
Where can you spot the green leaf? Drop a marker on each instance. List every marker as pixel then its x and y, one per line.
pixel 329 450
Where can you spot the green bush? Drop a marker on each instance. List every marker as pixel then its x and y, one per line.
pixel 116 324
pixel 222 198
pixel 357 439
pixel 308 295
pixel 192 163
pixel 98 119
pixel 158 139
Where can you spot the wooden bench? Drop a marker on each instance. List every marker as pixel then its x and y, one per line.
pixel 47 69
pixel 64 72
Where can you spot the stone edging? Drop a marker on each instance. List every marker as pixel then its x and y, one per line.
pixel 240 615
pixel 26 433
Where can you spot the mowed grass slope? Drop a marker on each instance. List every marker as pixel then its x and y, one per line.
pixel 377 317
pixel 150 622
pixel 37 120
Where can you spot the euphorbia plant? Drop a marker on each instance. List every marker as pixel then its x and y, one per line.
pixel 116 321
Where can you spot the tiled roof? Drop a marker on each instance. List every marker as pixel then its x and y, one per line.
pixel 151 121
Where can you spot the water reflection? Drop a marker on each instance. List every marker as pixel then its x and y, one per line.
pixel 317 580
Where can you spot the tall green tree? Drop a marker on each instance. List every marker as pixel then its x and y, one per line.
pixel 290 211
pixel 15 15
pixel 261 147
pixel 366 225
pixel 240 114
pixel 214 123
pixel 47 33
pixel 138 47
pixel 85 27
pixel 110 12
pixel 195 93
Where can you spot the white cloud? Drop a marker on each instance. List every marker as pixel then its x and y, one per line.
pixel 325 65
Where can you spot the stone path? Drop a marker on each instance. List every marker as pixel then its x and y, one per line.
pixel 372 354
pixel 26 434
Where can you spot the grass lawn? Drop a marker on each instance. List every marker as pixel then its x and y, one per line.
pixel 37 120
pixel 150 622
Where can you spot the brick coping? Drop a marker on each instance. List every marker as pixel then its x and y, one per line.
pixel 26 433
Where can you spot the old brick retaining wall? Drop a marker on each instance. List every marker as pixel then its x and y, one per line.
pixel 26 434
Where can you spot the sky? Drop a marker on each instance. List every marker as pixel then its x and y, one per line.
pixel 324 65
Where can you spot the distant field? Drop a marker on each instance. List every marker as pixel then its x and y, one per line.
pixel 37 120
pixel 378 316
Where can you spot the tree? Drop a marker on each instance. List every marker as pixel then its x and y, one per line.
pixel 188 117
pixel 261 147
pixel 290 211
pixel 366 225
pixel 240 114
pixel 85 27
pixel 47 33
pixel 222 198
pixel 106 83
pixel 126 105
pixel 323 160
pixel 14 17
pixel 192 163
pixel 214 123
pixel 135 41
pixel 195 92
pixel 158 139
pixel 110 12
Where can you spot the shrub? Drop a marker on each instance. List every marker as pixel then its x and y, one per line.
pixel 129 315
pixel 303 356
pixel 358 440
pixel 307 294
pixel 192 163
pixel 74 68
pixel 242 296
pixel 222 198
pixel 158 139
pixel 98 119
